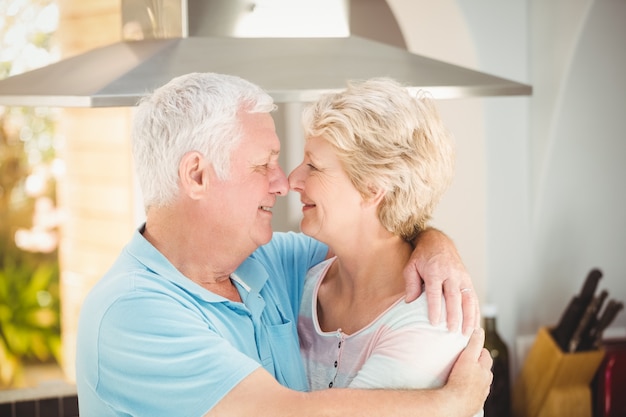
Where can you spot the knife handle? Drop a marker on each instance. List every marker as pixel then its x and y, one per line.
pixel 589 286
pixel 587 322
pixel 564 330
pixel 573 313
pixel 605 321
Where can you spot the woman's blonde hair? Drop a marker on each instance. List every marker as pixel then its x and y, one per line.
pixel 388 139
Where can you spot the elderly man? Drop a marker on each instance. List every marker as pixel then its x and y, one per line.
pixel 197 315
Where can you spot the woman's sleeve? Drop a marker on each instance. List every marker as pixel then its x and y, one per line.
pixel 410 352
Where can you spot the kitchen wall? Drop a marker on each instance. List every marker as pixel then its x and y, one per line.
pixel 542 174
pixel 578 146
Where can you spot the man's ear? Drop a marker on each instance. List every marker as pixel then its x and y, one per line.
pixel 193 175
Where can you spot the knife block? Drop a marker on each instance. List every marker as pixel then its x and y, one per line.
pixel 553 383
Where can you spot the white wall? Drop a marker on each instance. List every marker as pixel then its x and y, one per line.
pixel 579 213
pixel 551 203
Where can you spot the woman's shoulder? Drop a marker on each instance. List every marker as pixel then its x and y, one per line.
pixel 414 314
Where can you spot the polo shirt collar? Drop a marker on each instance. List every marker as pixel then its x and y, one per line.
pixel 250 274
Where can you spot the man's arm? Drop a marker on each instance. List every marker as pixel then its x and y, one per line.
pixel 464 395
pixel 436 263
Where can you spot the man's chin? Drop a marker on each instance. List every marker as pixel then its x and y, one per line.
pixel 265 236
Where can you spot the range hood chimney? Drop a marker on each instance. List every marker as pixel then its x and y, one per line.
pixel 167 38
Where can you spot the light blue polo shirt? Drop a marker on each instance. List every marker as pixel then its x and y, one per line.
pixel 151 342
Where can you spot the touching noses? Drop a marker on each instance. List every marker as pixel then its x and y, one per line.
pixel 295 179
pixel 279 184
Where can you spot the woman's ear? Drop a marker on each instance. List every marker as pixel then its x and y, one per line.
pixel 375 195
pixel 193 175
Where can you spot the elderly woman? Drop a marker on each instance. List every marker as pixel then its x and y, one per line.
pixel 377 161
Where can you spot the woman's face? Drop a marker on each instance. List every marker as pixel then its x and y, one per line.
pixel 331 204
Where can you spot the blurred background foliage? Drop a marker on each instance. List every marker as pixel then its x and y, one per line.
pixel 29 272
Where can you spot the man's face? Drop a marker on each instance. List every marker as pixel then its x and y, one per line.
pixel 248 195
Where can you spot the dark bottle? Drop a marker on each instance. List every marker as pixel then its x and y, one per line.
pixel 498 402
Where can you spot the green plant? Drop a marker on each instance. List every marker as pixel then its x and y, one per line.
pixel 29 315
pixel 29 282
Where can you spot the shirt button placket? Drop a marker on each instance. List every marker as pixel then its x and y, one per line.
pixel 336 364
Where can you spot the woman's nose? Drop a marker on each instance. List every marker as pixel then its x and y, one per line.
pixel 279 184
pixel 295 181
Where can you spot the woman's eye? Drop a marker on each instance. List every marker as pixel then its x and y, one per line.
pixel 311 166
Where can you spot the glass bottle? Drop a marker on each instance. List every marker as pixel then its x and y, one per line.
pixel 498 403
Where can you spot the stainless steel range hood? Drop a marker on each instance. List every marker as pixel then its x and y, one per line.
pixel 178 36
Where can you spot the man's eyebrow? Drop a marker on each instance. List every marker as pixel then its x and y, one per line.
pixel 275 153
